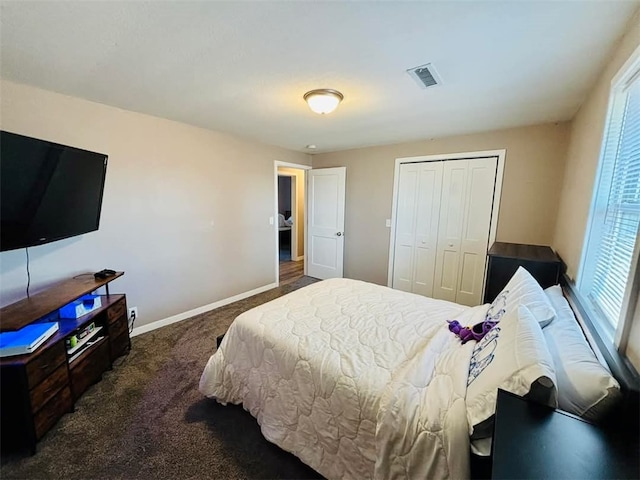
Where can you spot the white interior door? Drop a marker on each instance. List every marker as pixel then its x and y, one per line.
pixel 325 222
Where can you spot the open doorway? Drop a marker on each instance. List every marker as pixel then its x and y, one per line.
pixel 290 221
pixel 286 201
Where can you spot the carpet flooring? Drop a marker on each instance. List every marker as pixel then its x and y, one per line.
pixel 147 419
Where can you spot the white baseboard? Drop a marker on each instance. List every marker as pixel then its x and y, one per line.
pixel 196 311
pixel 297 259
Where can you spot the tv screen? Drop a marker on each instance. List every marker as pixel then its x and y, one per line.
pixel 47 191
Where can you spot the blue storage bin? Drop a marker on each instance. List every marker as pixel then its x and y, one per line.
pixel 81 306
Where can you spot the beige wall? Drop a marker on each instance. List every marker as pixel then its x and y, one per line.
pixel 583 155
pixel 166 183
pixel 300 207
pixel 530 192
pixel 582 161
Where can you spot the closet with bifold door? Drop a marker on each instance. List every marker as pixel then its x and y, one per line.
pixel 445 211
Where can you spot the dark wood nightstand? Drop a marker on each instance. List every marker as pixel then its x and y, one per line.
pixel 505 258
pixel 536 441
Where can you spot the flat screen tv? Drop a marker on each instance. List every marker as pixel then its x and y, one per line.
pixel 47 191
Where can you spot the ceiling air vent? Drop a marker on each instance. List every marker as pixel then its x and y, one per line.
pixel 425 75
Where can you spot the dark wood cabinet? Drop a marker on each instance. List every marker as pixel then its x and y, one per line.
pixel 38 388
pixel 47 416
pixel 505 258
pixel 535 441
pixel 118 328
pixel 89 367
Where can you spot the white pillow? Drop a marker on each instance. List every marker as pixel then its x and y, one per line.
pixel 585 386
pixel 523 289
pixel 513 356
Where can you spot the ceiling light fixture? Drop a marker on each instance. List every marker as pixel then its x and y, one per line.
pixel 323 100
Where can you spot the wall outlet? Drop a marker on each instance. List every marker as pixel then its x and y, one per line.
pixel 133 313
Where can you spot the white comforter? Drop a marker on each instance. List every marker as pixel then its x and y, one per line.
pixel 357 380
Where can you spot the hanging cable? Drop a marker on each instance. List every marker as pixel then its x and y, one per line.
pixel 28 272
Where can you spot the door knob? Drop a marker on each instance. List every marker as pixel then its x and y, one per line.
pixel 339 234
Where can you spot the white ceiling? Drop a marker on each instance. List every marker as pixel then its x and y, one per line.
pixel 242 67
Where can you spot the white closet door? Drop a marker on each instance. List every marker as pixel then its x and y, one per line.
pixel 465 220
pixel 481 179
pixel 450 230
pixel 427 213
pixel 417 213
pixel 405 227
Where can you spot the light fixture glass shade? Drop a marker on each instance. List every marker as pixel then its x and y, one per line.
pixel 323 100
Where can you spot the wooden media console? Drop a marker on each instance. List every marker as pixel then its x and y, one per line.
pixel 37 389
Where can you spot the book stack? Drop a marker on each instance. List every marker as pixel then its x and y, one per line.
pixel 27 339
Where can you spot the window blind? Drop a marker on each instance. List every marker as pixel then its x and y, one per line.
pixel 616 209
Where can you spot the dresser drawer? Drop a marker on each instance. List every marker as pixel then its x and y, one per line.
pixel 88 369
pixel 49 387
pixel 118 327
pixel 52 411
pixel 43 365
pixel 117 310
pixel 120 345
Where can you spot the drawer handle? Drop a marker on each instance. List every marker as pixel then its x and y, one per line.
pixel 44 366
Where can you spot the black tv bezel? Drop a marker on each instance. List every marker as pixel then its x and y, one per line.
pixel 99 210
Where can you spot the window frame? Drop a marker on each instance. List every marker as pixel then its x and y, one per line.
pixel 619 336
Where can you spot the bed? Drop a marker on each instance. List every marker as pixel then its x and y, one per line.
pixel 363 381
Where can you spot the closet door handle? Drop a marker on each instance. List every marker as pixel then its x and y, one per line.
pixel 339 234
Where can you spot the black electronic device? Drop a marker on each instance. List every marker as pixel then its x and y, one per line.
pixel 104 273
pixel 48 191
